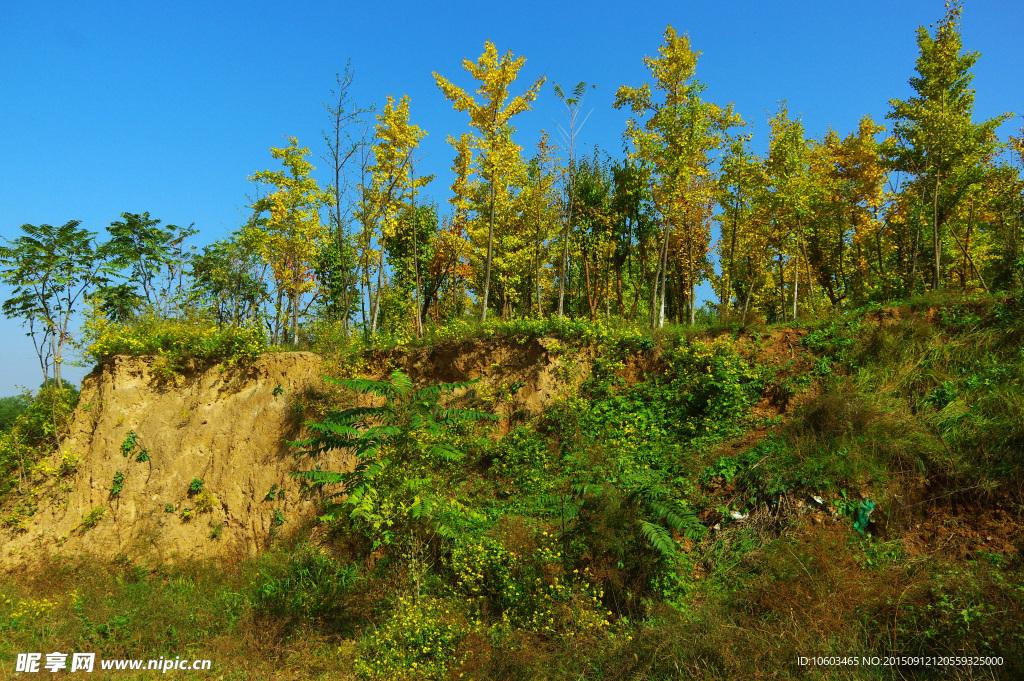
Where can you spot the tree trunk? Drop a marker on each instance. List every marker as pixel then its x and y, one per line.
pixel 810 280
pixel 936 273
pixel 658 272
pixel 727 287
pixel 796 275
pixel 490 246
pixel 416 259
pixel 565 259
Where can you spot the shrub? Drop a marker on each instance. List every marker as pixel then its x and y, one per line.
pixel 205 502
pixel 421 640
pixel 174 341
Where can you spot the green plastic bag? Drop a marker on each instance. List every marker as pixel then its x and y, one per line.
pixel 862 515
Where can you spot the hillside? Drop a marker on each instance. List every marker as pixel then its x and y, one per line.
pixel 688 504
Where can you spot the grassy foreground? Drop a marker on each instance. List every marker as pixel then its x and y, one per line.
pixel 689 510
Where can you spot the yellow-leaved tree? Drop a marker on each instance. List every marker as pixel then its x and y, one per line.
pixel 392 187
pixel 491 118
pixel 286 231
pixel 677 141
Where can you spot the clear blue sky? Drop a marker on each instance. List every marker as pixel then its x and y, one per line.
pixel 167 107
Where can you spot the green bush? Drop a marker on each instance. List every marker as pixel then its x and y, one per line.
pixel 173 341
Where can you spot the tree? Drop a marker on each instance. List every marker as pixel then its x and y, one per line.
pixel 394 183
pixel 395 444
pixel 50 269
pixel 788 172
pixel 155 260
pixel 229 281
pixel 677 141
pixel 341 147
pixel 572 105
pixel 286 229
pixel 934 139
pixel 496 76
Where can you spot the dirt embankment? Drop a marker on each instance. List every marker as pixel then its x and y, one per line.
pixel 223 426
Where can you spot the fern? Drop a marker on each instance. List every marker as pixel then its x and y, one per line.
pixel 659 538
pixel 397 427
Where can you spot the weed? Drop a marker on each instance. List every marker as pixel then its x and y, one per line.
pixel 118 483
pixel 205 502
pixel 128 446
pixel 92 518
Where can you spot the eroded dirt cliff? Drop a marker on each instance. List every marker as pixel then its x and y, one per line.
pixel 226 427
pixel 221 425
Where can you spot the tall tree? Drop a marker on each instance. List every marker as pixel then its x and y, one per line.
pixel 394 183
pixel 341 147
pixel 935 140
pixel 50 269
pixel 286 228
pixel 677 140
pixel 154 257
pixel 491 118
pixel 573 107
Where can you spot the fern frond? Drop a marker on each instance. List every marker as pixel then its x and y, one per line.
pixel 400 382
pixel 364 385
pixel 659 538
pixel 446 452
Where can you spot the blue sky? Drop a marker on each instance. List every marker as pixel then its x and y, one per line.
pixel 168 107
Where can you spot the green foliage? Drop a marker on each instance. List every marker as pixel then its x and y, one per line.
pixel 943 395
pixel 421 639
pixel 278 519
pixel 50 269
pixel 92 518
pixel 10 409
pixel 172 341
pixel 168 507
pixel 34 435
pixel 395 445
pixel 228 283
pixel 195 486
pixel 118 484
pixel 128 446
pixel 154 257
pixel 305 583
